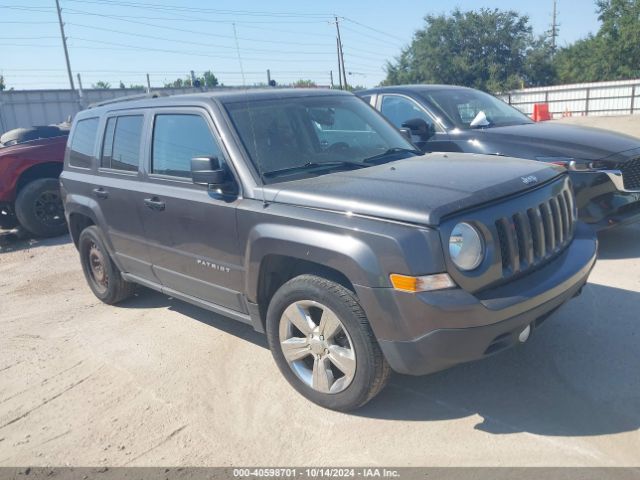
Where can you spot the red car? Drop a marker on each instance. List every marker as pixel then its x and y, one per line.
pixel 30 163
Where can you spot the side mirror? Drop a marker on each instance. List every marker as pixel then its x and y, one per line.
pixel 207 171
pixel 406 133
pixel 420 128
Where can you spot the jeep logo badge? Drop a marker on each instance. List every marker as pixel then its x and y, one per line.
pixel 529 179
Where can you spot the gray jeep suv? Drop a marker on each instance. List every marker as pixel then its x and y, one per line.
pixel 305 214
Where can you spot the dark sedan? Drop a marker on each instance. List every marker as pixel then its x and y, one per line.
pixel 604 165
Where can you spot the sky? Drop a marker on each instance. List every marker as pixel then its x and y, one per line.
pixel 122 40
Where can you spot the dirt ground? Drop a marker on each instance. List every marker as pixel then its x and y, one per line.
pixel 156 381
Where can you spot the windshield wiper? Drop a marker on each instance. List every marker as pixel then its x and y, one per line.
pixel 391 151
pixel 312 165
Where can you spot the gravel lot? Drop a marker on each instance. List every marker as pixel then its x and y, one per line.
pixel 158 382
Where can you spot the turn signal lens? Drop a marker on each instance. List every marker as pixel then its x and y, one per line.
pixel 426 283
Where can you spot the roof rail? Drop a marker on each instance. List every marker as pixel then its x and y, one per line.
pixel 128 98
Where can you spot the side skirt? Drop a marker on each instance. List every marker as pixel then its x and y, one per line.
pixel 212 307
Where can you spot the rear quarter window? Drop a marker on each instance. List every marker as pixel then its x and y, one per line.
pixel 83 142
pixel 121 148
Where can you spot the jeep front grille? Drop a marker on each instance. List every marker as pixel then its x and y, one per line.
pixel 530 238
pixel 631 174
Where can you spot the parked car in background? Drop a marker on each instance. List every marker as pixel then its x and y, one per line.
pixel 30 163
pixel 604 165
pixel 307 215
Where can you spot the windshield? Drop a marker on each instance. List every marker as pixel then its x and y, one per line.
pixel 469 109
pixel 298 137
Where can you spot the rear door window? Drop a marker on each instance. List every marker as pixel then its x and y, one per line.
pixel 83 143
pixel 121 147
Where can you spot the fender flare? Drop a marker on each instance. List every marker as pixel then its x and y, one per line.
pixel 339 251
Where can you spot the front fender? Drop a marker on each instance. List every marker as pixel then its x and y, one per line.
pixel 339 251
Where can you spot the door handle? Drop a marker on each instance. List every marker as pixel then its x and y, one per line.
pixel 100 192
pixel 154 203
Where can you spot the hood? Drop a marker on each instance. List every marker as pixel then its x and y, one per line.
pixel 27 148
pixel 559 140
pixel 420 190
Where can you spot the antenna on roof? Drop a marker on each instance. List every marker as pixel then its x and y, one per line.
pixel 249 113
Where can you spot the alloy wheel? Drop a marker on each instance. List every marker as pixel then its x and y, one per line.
pixel 48 208
pixel 317 347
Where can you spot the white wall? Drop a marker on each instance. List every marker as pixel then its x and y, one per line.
pixel 600 98
pixel 26 108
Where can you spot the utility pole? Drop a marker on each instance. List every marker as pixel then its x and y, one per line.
pixel 331 78
pixel 339 65
pixel 341 55
pixel 64 44
pixel 554 27
pixel 148 84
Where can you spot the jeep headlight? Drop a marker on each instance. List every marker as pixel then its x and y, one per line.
pixel 466 246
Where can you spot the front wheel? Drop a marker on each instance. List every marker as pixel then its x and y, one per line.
pixel 323 344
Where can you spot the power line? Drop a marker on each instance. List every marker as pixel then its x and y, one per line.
pixel 128 48
pixel 370 37
pixel 163 27
pixel 187 42
pixel 26 22
pixel 30 38
pixel 197 32
pixel 373 29
pixel 181 8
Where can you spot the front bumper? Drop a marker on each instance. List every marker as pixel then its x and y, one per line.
pixel 426 332
pixel 602 200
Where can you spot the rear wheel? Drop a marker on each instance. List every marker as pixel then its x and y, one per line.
pixel 323 344
pixel 8 221
pixel 39 208
pixel 102 275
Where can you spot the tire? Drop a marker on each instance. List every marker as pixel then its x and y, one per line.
pixel 312 367
pixel 8 222
pixel 102 275
pixel 39 208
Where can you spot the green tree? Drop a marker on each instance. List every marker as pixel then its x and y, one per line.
pixel 101 85
pixel 613 53
pixel 178 83
pixel 487 49
pixel 122 85
pixel 540 67
pixel 136 86
pixel 209 79
pixel 304 84
pixel 2 84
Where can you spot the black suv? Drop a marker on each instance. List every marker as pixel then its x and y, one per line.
pixel 305 214
pixel 604 166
